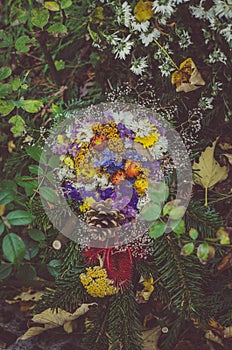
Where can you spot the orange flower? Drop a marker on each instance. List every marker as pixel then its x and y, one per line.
pixel 143 11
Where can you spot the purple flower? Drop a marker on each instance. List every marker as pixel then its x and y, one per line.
pixel 124 131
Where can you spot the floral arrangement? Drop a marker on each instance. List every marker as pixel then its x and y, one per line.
pixel 106 165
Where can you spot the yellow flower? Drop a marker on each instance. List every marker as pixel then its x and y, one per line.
pixel 141 185
pixel 87 204
pixel 143 10
pixel 88 172
pixel 69 162
pixel 60 139
pixel 148 141
pixel 96 282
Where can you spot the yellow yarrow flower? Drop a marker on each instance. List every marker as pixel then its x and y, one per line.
pixel 141 185
pixel 87 204
pixel 148 141
pixel 69 162
pixel 96 282
pixel 60 139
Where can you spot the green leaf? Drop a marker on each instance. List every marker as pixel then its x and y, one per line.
pixel 223 235
pixel 6 196
pixel 35 169
pixel 170 205
pixel 31 106
pixel 19 125
pixel 53 267
pixel 5 271
pixel 150 212
pixel 158 192
pixel 178 226
pixel 54 162
pixel 15 83
pixel 5 90
pixel 8 185
pixel 19 217
pixel 13 248
pixel 36 235
pixel 203 251
pixel 40 17
pixel 93 35
pixel 17 15
pixel 57 28
pixel 48 194
pixel 32 249
pixel 34 152
pixel 157 229
pixel 193 233
pixel 6 107
pixel 29 184
pixel 187 249
pixel 177 212
pixel 52 5
pixel 22 43
pixel 26 272
pixel 5 72
pixel 65 4
pixel 2 226
pixel 60 65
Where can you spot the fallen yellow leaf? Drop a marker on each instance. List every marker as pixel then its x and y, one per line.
pixel 143 11
pixel 208 172
pixel 187 78
pixel 228 156
pixel 51 319
pixel 26 296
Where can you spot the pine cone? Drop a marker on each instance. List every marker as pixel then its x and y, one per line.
pixel 103 220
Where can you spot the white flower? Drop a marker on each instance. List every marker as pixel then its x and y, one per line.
pixel 159 54
pixel 205 103
pixel 217 56
pixel 166 68
pixel 198 11
pixel 140 27
pixel 124 15
pixel 223 8
pixel 164 7
pixel 123 48
pixel 159 148
pixel 147 38
pixel 216 87
pixel 227 33
pixel 185 40
pixel 139 65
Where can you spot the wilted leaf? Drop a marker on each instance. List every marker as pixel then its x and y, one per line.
pixel 143 10
pixel 226 262
pixel 29 295
pixel 223 235
pixel 51 319
pixel 193 233
pixel 205 252
pixel 208 171
pixel 151 338
pixel 187 78
pixel 228 332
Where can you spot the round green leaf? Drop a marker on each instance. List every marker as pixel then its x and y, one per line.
pixel 37 235
pixel 158 192
pixel 203 252
pixel 5 72
pixel 31 106
pixel 6 107
pixel 15 83
pixel 6 196
pixel 65 4
pixel 157 229
pixel 178 226
pixel 5 271
pixel 19 125
pixel 57 28
pixel 48 194
pixel 32 249
pixel 53 267
pixel 177 212
pixel 19 217
pixel 150 212
pixel 193 233
pixel 21 43
pixel 40 17
pixel 187 249
pixel 13 248
pixel 2 226
pixel 26 272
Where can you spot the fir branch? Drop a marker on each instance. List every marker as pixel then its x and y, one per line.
pixel 182 277
pixel 124 327
pixel 205 219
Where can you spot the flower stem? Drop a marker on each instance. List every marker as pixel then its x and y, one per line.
pixel 167 54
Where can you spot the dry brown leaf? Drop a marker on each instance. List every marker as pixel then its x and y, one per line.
pixel 52 319
pixel 228 332
pixel 187 78
pixel 26 296
pixel 226 262
pixel 228 156
pixel 208 171
pixel 150 338
pixel 214 338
